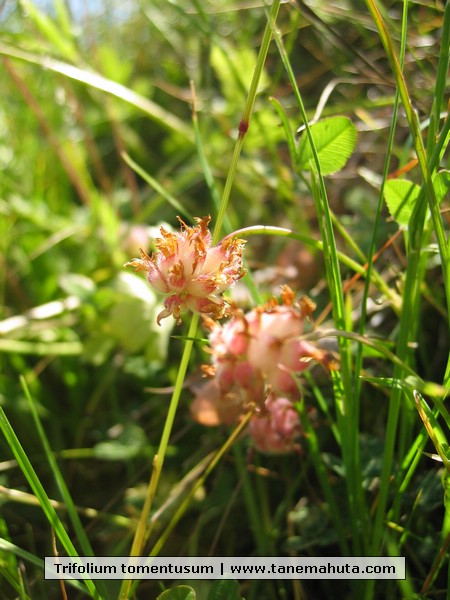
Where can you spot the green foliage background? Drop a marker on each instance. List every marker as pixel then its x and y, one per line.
pixel 116 118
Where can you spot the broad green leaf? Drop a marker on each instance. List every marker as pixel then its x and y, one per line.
pixel 224 589
pixel 334 139
pixel 78 285
pixel 400 196
pixel 131 442
pixel 181 592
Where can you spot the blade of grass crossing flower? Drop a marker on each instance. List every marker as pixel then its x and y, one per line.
pixel 346 407
pixel 318 245
pixel 319 192
pixel 38 489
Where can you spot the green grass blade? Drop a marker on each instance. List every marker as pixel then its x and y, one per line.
pixel 83 540
pixel 157 187
pixel 414 273
pixel 57 39
pixel 41 348
pixel 207 173
pixel 442 70
pixel 346 407
pixel 34 560
pixel 38 489
pixel 415 129
pixel 89 78
pixel 376 278
pixel 245 119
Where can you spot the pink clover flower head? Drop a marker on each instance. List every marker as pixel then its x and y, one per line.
pixel 269 338
pixel 275 346
pixel 228 341
pixel 192 273
pixel 233 390
pixel 276 428
pixel 256 356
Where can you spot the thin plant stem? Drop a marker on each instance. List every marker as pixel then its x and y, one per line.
pixel 201 480
pixel 143 530
pixel 361 270
pixel 346 408
pixel 245 119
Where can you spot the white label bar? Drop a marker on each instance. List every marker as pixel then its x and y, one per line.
pixel 237 567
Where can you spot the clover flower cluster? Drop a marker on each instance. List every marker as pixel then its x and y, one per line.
pixel 190 271
pixel 256 358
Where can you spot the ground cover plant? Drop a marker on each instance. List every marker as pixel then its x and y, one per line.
pixel 270 378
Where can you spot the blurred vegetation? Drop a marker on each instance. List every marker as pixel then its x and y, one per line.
pixel 82 331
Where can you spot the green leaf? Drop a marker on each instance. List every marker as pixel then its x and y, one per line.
pixel 442 185
pixel 181 592
pixel 400 196
pixel 224 589
pixel 75 284
pixel 131 442
pixel 334 139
